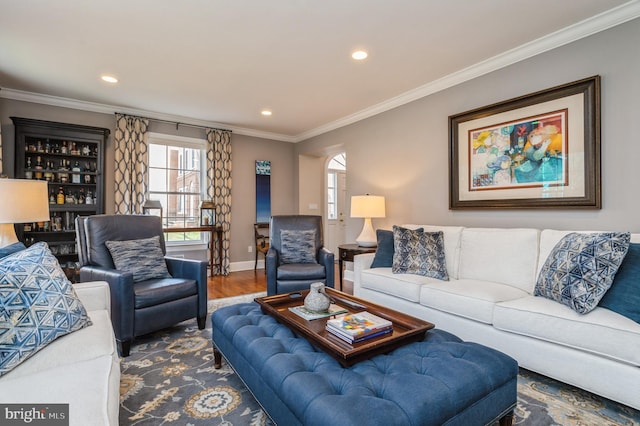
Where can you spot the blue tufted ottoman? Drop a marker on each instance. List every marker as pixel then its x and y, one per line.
pixel 438 381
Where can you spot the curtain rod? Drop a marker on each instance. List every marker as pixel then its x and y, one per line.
pixel 178 124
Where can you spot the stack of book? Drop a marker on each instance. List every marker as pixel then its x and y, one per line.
pixel 354 328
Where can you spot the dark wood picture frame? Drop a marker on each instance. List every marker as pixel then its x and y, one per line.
pixel 576 182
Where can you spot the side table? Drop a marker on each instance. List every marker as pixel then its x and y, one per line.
pixel 347 252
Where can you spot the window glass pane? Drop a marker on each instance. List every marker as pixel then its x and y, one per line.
pixel 157 180
pixel 157 155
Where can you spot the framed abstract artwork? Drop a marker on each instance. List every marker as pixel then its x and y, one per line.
pixel 540 150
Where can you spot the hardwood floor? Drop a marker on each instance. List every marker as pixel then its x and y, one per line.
pixel 236 284
pixel 247 282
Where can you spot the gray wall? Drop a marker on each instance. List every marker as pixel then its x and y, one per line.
pixel 245 151
pixel 403 153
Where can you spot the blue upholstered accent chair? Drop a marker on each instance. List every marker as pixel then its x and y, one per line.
pixel 139 308
pixel 297 256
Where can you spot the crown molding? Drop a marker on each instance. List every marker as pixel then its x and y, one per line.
pixel 590 26
pixel 593 25
pixel 39 98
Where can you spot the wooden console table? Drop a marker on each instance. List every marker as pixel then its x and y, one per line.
pixel 214 231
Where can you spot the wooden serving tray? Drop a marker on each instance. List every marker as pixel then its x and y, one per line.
pixel 406 329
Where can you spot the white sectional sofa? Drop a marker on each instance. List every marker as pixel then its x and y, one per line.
pixel 81 369
pixel 489 299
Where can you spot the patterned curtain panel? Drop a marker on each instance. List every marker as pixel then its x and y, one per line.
pixel 131 155
pixel 219 186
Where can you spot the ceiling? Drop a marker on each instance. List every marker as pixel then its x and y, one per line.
pixel 220 63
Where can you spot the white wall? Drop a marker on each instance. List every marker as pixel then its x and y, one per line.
pixel 403 153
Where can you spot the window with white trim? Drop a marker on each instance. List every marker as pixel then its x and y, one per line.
pixel 177 179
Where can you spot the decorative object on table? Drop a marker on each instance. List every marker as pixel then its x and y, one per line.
pixel 207 213
pixel 150 207
pixel 516 153
pixel 23 201
pixel 367 207
pixel 263 191
pixel 359 326
pixel 305 313
pixel 317 300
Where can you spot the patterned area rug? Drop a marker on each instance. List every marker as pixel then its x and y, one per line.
pixel 169 379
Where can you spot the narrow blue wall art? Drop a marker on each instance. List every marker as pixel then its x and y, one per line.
pixel 263 191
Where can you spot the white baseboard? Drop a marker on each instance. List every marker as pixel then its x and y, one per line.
pixel 247 265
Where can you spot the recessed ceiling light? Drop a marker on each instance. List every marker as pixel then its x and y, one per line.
pixel 109 79
pixel 266 112
pixel 359 55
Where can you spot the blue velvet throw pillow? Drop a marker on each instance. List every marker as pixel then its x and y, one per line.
pixel 581 267
pixel 11 248
pixel 624 295
pixel 384 253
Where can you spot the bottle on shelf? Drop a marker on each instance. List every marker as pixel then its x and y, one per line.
pixel 81 197
pixel 38 167
pixel 52 197
pixel 28 173
pixel 68 199
pixel 75 177
pixel 63 175
pixel 60 197
pixel 89 199
pixel 63 149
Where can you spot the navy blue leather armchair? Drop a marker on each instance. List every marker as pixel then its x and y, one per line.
pixel 138 308
pixel 284 277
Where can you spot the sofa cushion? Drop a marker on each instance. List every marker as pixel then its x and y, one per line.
pixel 384 253
pixel 37 305
pixel 451 236
pixel 506 256
pixel 602 331
pixel 420 253
pixel 298 246
pixel 404 286
pixel 11 248
pixel 143 258
pixel 624 295
pixel 473 299
pixel 581 268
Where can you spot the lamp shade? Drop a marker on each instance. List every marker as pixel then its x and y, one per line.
pixel 367 206
pixel 22 201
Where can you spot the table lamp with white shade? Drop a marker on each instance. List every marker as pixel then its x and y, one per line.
pixel 21 201
pixel 367 207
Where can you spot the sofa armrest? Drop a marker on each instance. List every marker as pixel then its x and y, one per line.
pixel 360 263
pixel 94 295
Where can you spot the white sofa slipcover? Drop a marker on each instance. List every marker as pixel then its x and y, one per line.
pixel 81 369
pixel 489 299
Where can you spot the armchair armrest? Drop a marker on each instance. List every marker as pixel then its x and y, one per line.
pixel 271 262
pixel 327 258
pixel 122 297
pixel 194 270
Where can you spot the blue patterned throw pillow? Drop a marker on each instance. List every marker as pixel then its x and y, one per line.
pixel 420 253
pixel 11 248
pixel 298 246
pixel 37 305
pixel 624 295
pixel 143 258
pixel 581 268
